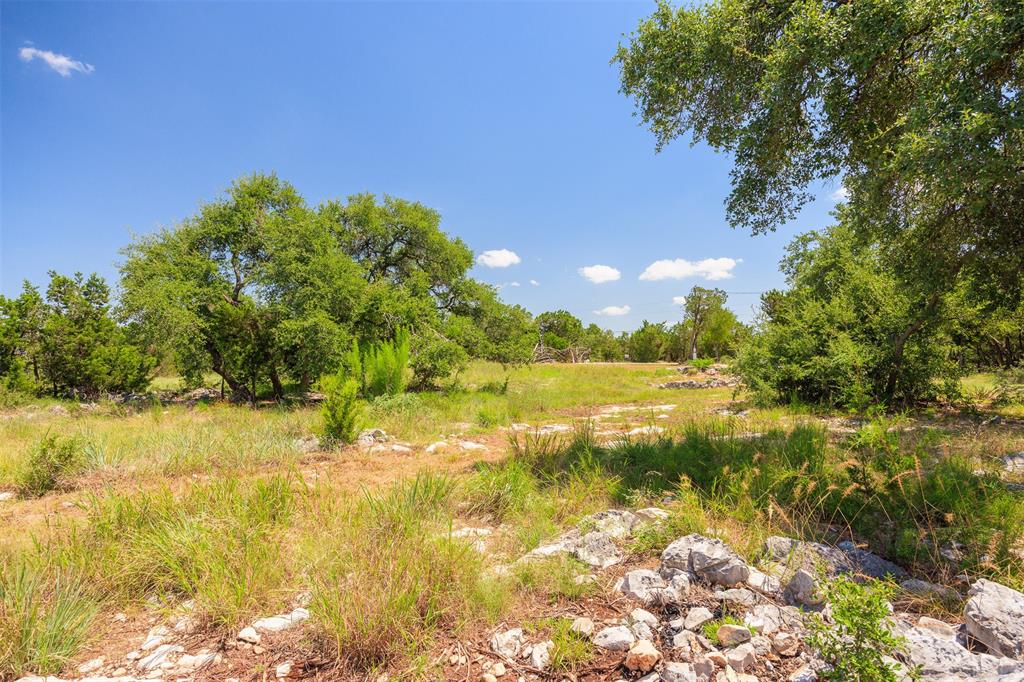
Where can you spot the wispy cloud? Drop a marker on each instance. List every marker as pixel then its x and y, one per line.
pixel 679 300
pixel 841 194
pixel 680 268
pixel 599 274
pixel 498 258
pixel 534 282
pixel 61 63
pixel 613 310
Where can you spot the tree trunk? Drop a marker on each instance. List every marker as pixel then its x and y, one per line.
pixel 238 389
pixel 275 381
pixel 901 342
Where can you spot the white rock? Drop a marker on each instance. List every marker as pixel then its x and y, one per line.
pixel 92 665
pixel 617 523
pixel 675 671
pixel 615 638
pixel 508 643
pixel 158 657
pixel 498 669
pixel 786 644
pixel 994 615
pixel 283 670
pixel 434 447
pixel 804 674
pixel 249 635
pixel 6 496
pixel 281 622
pixel 937 627
pixel 707 558
pixel 540 657
pixel 1013 462
pixel 582 626
pixel 696 617
pixel 470 445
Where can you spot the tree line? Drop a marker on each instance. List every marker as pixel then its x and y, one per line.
pixel 271 294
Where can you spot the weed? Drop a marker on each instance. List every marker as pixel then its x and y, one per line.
pixel 711 627
pixel 52 462
pixel 860 640
pixel 341 410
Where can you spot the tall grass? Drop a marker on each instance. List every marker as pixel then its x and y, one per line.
pixel 44 619
pixel 393 575
pixel 220 544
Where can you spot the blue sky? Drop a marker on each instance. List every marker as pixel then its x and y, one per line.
pixel 506 117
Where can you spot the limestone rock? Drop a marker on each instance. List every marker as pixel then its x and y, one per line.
pixel 731 635
pixel 785 644
pixel 540 657
pixel 679 672
pixel 617 523
pixel 642 657
pixel 944 659
pixel 707 558
pixel 249 635
pixel 508 643
pixel 651 589
pixel 583 626
pixel 1013 462
pixel 615 638
pixel 994 615
pixel 696 617
pixel 741 657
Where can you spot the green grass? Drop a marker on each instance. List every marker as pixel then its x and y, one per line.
pixel 209 504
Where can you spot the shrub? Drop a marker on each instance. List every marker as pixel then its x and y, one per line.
pixel 385 366
pixel 860 640
pixel 44 620
pixel 50 464
pixel 1010 386
pixel 435 359
pixel 701 363
pixel 341 410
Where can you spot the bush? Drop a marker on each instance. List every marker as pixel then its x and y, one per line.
pixel 859 642
pixel 435 359
pixel 385 366
pixel 50 465
pixel 341 409
pixel 1010 386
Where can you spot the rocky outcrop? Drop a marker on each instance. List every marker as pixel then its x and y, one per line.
pixel 995 617
pixel 705 558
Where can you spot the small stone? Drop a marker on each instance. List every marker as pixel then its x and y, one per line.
pixel 675 671
pixel 283 670
pixel 498 669
pixel 93 665
pixel 741 657
pixel 249 635
pixel 615 638
pixel 585 579
pixel 258 650
pixel 642 657
pixel 540 657
pixel 6 496
pixel 804 674
pixel 786 644
pixel 508 643
pixel 642 616
pixel 739 598
pixel 696 617
pixel 488 677
pixel 583 626
pixel 731 635
pixel 718 658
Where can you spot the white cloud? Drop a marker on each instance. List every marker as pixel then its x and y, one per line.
pixel 599 274
pixel 841 194
pixel 709 268
pixel 61 63
pixel 534 282
pixel 513 284
pixel 613 310
pixel 679 300
pixel 498 258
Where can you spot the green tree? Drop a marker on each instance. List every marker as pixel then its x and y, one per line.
pixel 559 329
pixel 647 343
pixel 700 307
pixel 915 105
pixel 829 337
